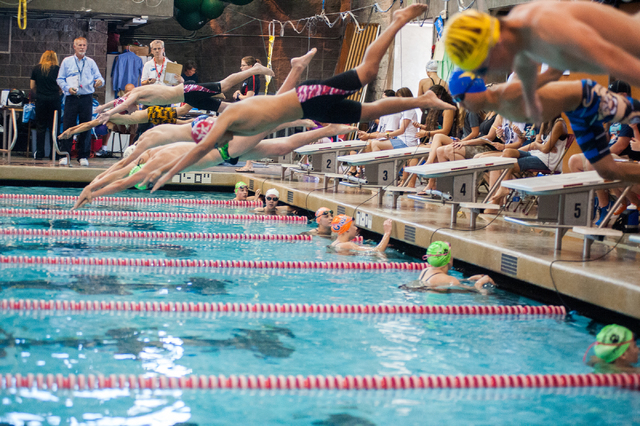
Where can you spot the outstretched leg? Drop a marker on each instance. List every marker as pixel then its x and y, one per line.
pixel 373 110
pixel 368 69
pixel 239 77
pixel 298 65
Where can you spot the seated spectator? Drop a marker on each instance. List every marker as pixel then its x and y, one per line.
pixel 242 193
pixel 189 73
pixel 405 135
pixel 545 154
pixel 324 217
pixel 436 278
pixel 616 351
pixel 343 226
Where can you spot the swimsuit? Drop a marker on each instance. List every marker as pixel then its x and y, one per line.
pixel 325 101
pixel 224 153
pixel 599 106
pixel 161 115
pixel 202 96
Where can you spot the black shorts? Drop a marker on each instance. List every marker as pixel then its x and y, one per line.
pixel 202 96
pixel 325 101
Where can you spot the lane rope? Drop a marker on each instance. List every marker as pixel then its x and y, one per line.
pixel 88 214
pixel 151 235
pixel 30 199
pixel 207 263
pixel 330 382
pixel 285 308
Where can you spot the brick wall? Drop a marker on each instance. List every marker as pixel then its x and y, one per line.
pixel 49 34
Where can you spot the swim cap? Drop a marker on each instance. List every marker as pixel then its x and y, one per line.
pixel 272 191
pixel 432 66
pixel 238 185
pixel 135 170
pixel 620 86
pixel 469 36
pixel 438 254
pixel 341 223
pixel 612 342
pixel 322 210
pixel 127 152
pixel 462 82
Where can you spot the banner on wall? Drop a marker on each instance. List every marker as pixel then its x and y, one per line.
pixel 269 56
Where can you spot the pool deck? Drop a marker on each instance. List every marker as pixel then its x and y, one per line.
pixel 515 251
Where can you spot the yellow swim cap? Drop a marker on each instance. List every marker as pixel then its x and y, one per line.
pixel 469 36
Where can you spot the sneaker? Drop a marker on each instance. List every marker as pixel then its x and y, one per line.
pixel 63 161
pixel 84 162
pixel 603 212
pixel 102 153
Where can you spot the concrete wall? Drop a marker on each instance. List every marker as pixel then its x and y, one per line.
pixel 49 34
pixel 102 7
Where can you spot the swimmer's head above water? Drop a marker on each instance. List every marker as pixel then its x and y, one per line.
pixel 438 254
pixel 241 190
pixel 614 341
pixel 342 224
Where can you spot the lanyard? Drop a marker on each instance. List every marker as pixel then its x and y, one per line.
pixel 158 69
pixel 79 69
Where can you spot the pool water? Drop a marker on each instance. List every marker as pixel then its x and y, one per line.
pixel 182 344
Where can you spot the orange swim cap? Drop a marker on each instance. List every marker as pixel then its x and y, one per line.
pixel 341 223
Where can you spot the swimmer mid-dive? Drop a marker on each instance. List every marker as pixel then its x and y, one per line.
pixel 616 351
pixel 345 228
pixel 436 278
pixel 158 160
pixel 154 115
pixel 576 36
pixel 198 96
pixel 323 101
pixel 587 105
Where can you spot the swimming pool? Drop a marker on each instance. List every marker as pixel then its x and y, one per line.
pixel 181 344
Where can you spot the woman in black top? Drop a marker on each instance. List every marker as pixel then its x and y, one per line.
pixel 43 81
pixel 250 87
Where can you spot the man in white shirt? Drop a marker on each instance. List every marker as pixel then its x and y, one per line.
pixel 155 69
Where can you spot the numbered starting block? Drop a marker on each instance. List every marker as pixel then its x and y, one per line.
pixel 564 202
pixel 382 167
pixel 459 181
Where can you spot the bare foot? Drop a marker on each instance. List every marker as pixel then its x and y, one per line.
pixel 408 13
pixel 262 70
pixel 431 100
pixel 303 61
pixel 340 129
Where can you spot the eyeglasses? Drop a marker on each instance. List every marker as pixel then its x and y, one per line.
pixel 272 198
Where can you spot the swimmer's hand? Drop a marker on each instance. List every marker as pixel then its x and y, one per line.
pixel 162 181
pixel 103 117
pixel 85 197
pixel 65 135
pixel 483 283
pixel 387 226
pixel 257 194
pixel 100 108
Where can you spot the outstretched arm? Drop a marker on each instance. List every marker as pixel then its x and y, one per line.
pixel 102 107
pixel 79 129
pixel 104 179
pixel 132 98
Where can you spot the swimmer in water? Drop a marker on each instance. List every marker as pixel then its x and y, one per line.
pixel 343 226
pixel 436 278
pixel 242 193
pixel 271 207
pixel 324 217
pixel 616 351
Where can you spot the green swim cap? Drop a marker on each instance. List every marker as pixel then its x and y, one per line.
pixel 238 185
pixel 438 254
pixel 612 342
pixel 135 170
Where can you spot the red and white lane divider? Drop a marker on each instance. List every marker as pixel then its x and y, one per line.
pixel 299 308
pixel 337 382
pixel 90 214
pixel 206 263
pixel 144 235
pixel 29 198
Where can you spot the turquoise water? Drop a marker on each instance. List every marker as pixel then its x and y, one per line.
pixel 178 344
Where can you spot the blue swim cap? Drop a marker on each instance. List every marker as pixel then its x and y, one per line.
pixel 462 82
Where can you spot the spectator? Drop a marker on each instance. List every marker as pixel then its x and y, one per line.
pixel 154 70
pixel 78 78
pixel 43 81
pixel 189 73
pixel 250 87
